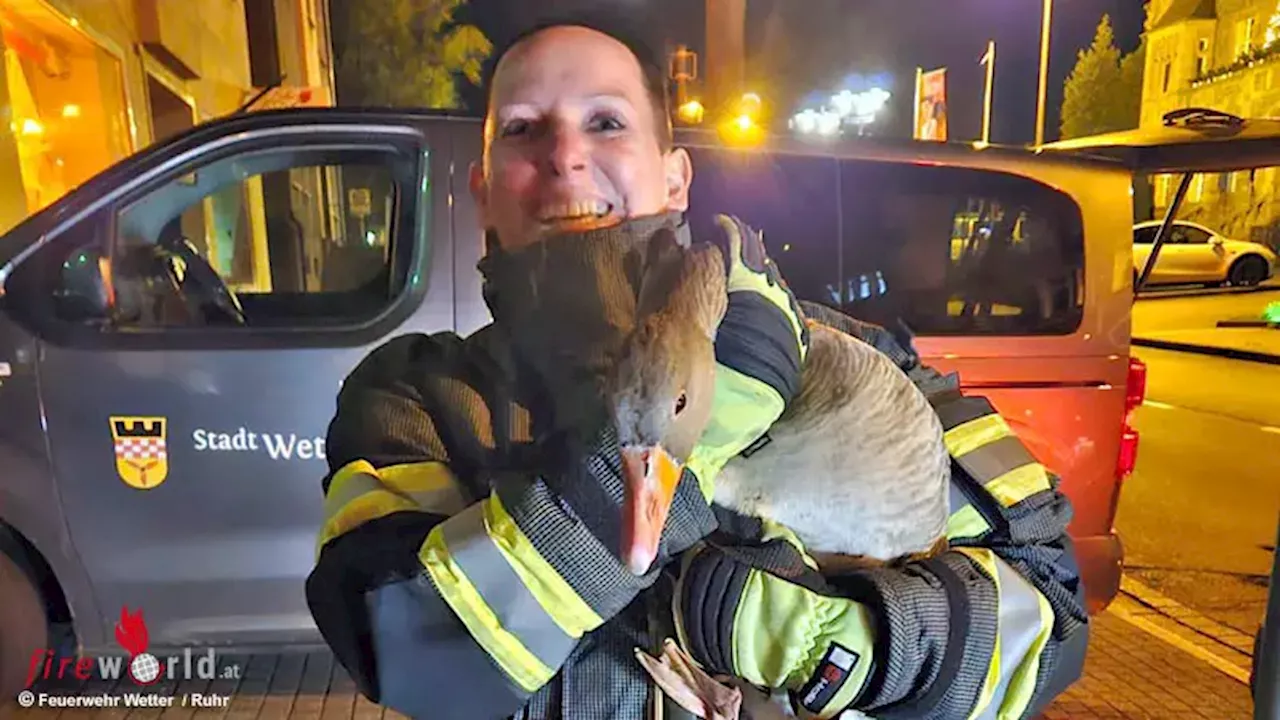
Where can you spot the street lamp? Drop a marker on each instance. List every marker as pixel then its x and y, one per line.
pixel 988 59
pixel 1044 70
pixel 857 109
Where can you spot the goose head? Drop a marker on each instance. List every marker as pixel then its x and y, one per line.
pixel 663 387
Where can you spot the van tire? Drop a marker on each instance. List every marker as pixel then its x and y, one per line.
pixel 1248 271
pixel 24 627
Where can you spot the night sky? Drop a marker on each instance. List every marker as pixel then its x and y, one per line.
pixel 899 35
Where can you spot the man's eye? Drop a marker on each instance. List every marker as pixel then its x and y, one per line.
pixel 605 123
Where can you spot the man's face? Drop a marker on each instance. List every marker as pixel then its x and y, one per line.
pixel 571 141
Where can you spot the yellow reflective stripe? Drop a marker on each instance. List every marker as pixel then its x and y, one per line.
pixel 521 665
pixel 369 506
pixel 966 523
pixel 967 437
pixel 355 497
pixel 422 477
pixel 987 561
pixel 1019 484
pixel 359 492
pixel 356 470
pixel 776 531
pixel 558 600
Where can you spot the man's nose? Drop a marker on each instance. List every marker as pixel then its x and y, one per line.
pixel 567 152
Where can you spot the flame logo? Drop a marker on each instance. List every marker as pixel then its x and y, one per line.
pixel 131 632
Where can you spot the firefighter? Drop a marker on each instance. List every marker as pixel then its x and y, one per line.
pixel 467 566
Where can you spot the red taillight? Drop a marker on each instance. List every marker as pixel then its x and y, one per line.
pixel 1135 391
pixel 1128 456
pixel 1135 388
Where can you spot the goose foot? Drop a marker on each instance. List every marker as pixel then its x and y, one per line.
pixel 680 678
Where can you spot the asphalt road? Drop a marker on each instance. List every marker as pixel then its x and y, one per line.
pixel 1198 516
pixel 1165 309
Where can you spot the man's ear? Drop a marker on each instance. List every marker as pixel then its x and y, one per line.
pixel 678 167
pixel 479 192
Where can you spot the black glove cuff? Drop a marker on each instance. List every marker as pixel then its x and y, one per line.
pixel 712 587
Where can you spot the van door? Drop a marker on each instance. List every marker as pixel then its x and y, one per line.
pixel 196 324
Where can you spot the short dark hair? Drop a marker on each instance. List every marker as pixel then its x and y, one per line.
pixel 653 69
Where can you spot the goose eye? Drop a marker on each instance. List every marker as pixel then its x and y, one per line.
pixel 681 401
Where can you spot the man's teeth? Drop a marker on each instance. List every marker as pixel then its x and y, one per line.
pixel 581 208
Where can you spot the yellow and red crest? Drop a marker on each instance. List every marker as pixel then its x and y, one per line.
pixel 142 460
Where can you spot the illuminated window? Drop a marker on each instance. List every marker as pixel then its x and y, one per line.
pixel 66 96
pixel 1244 36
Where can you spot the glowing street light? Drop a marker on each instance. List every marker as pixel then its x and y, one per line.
pixel 844 108
pixel 691 112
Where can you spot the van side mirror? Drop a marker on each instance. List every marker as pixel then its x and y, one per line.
pixel 82 293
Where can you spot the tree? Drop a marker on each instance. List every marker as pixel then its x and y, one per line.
pixel 1129 93
pixel 1103 93
pixel 1273 27
pixel 404 53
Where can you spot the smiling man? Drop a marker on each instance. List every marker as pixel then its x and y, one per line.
pixel 469 562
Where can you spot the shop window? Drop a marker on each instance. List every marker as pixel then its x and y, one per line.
pixel 170 114
pixel 67 103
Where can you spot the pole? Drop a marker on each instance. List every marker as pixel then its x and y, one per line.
pixel 915 109
pixel 1266 703
pixel 990 60
pixel 1044 71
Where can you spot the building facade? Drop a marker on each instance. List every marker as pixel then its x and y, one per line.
pixel 1224 55
pixel 85 83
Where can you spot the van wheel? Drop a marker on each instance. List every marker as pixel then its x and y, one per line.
pixel 1248 271
pixel 24 627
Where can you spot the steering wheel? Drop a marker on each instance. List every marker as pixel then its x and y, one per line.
pixel 200 281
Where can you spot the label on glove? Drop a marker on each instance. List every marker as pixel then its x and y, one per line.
pixel 832 673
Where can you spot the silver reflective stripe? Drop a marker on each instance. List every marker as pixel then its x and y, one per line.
pixel 352 487
pixel 1019 627
pixel 506 595
pixel 444 501
pixel 995 459
pixel 958 499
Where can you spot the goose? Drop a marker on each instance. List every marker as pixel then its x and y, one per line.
pixel 856 466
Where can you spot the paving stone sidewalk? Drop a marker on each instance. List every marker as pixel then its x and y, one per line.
pixel 1129 673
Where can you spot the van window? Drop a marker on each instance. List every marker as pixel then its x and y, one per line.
pixel 255 241
pixel 946 251
pixel 791 199
pixel 954 251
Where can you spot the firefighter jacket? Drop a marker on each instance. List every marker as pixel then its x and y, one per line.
pixel 457 577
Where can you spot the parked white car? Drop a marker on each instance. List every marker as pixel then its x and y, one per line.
pixel 1195 254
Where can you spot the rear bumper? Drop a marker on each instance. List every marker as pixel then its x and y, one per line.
pixel 1101 559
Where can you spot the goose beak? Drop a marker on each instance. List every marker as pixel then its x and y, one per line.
pixel 650 475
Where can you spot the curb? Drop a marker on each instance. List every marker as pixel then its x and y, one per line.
pixel 1184 293
pixel 1231 353
pixel 1204 625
